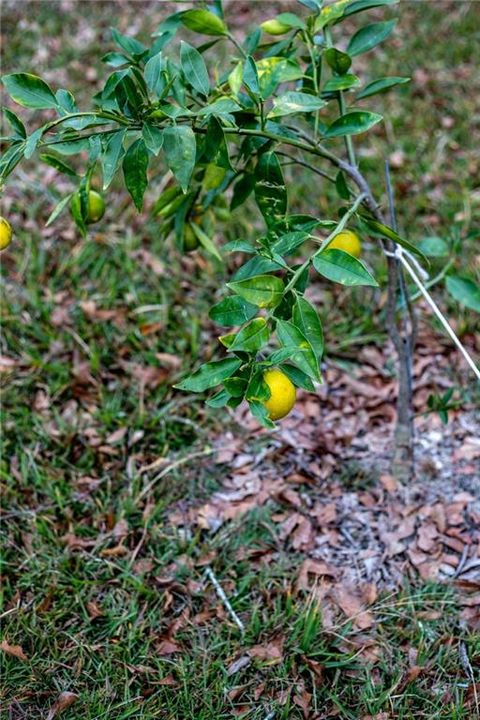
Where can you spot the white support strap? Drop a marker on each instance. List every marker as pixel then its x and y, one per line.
pixel 408 261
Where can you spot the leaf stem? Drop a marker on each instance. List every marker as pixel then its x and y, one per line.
pixel 237 44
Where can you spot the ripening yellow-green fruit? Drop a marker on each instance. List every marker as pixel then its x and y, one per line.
pixel 347 241
pixel 95 206
pixel 282 394
pixel 275 27
pixel 190 240
pixel 6 233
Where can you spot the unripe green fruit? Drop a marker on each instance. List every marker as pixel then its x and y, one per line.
pixel 95 206
pixel 6 233
pixel 190 240
pixel 275 27
pixel 222 213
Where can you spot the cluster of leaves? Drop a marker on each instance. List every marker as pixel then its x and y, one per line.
pixel 222 139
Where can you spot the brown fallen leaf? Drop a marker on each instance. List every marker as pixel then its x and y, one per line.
pixel 167 647
pixel 271 651
pixel 13 650
pixel 64 700
pixel 302 536
pixel 93 610
pixel 117 551
pixel 353 608
pixel 78 543
pixel 312 567
pixel 120 530
pixel 303 701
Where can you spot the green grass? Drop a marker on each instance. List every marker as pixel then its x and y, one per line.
pixel 79 374
pixel 113 662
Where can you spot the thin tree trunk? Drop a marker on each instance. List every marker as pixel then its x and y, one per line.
pixel 401 329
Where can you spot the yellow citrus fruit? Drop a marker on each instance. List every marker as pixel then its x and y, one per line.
pixel 347 241
pixel 190 240
pixel 282 394
pixel 6 233
pixel 274 27
pixel 95 208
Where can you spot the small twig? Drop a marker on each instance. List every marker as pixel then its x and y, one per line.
pixel 221 594
pixel 462 562
pixel 467 666
pixel 307 165
pixel 237 44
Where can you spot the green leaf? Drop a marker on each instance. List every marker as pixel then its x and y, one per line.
pixel 288 18
pixel 360 5
pixel 344 82
pixel 58 164
pixel 381 85
pixel 261 290
pixel 235 79
pixel 303 355
pixel 353 123
pixel 289 242
pixel 127 43
pixel 203 21
pixel 298 377
pixel 236 386
pixel 341 186
pixel 221 106
pixel 270 190
pixel 66 101
pixel 112 155
pixel 115 59
pixel 32 142
pixel 343 268
pixel 250 76
pixel 153 137
pixel 16 123
pixel 215 149
pixel 260 412
pixel 252 337
pixel 242 190
pixel 378 228
pixel 205 241
pixel 194 68
pixel 305 317
pixel 330 14
pixel 58 209
pixel 135 164
pixel 155 74
pixel 239 246
pixel 218 400
pixel 275 70
pixel 209 375
pixel 464 291
pixel 339 61
pixel 72 147
pixel 232 311
pixel 314 5
pixel 369 37
pixel 29 91
pixel 295 102
pixel 434 247
pixel 10 158
pixel 180 149
pixel 258 265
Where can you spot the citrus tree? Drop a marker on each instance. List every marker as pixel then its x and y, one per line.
pixel 287 93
